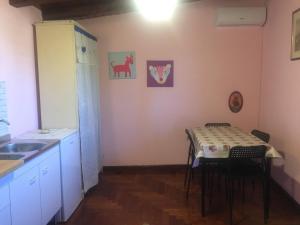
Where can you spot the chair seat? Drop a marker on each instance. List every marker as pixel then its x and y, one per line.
pixel 246 168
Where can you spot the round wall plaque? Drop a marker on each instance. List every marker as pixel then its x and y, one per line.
pixel 235 102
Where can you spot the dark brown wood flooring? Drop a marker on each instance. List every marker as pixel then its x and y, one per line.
pixel 158 198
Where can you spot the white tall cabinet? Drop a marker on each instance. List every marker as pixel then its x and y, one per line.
pixel 69 87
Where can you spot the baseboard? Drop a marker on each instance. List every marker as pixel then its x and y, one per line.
pixel 285 193
pixel 145 169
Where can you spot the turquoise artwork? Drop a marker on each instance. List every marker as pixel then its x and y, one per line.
pixel 122 65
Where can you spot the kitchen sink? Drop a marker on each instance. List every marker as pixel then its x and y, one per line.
pixel 21 147
pixel 11 156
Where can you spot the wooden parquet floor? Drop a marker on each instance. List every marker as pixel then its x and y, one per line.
pixel 158 198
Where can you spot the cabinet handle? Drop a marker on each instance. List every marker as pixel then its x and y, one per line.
pixel 32 181
pixel 45 171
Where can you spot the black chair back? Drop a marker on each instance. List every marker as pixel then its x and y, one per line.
pixel 244 162
pixel 261 135
pixel 218 125
pixel 192 144
pixel 248 152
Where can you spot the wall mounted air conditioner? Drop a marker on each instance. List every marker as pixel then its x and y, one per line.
pixel 239 16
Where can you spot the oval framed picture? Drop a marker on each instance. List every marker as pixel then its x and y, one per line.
pixel 235 102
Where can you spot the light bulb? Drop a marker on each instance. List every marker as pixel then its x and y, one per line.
pixel 156 10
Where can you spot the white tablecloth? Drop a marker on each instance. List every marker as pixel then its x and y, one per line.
pixel 215 142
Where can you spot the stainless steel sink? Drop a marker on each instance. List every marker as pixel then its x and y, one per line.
pixel 21 147
pixel 11 156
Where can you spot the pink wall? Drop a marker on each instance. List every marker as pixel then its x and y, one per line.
pixel 143 125
pixel 17 65
pixel 281 93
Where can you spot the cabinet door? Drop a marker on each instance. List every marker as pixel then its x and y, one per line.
pixel 25 199
pixel 50 184
pixel 71 175
pixel 5 217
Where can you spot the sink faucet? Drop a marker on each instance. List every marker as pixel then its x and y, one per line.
pixel 4 121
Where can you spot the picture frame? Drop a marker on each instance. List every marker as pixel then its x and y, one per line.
pixel 235 102
pixel 122 65
pixel 160 73
pixel 295 46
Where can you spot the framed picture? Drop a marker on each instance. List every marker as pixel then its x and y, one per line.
pixel 122 65
pixel 235 102
pixel 295 52
pixel 160 73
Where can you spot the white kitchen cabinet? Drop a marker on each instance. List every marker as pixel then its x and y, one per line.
pixel 35 191
pixel 50 185
pixel 71 175
pixel 70 161
pixel 25 199
pixel 66 57
pixel 5 216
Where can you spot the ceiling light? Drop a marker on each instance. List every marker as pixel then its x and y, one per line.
pixel 156 10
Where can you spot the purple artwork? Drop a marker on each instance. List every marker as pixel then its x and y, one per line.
pixel 160 73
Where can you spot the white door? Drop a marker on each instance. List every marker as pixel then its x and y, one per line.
pixel 71 175
pixel 50 184
pixel 25 199
pixel 88 126
pixel 5 217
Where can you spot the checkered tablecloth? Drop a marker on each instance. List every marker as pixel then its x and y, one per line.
pixel 215 142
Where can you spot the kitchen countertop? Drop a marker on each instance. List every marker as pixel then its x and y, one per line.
pixel 59 134
pixel 7 166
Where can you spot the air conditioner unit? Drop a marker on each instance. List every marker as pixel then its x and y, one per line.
pixel 239 16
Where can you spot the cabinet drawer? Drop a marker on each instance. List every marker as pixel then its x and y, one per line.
pixel 4 196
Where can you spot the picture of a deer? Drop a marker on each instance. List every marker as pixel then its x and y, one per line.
pixel 123 68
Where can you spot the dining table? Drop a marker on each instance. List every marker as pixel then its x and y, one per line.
pixel 213 144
